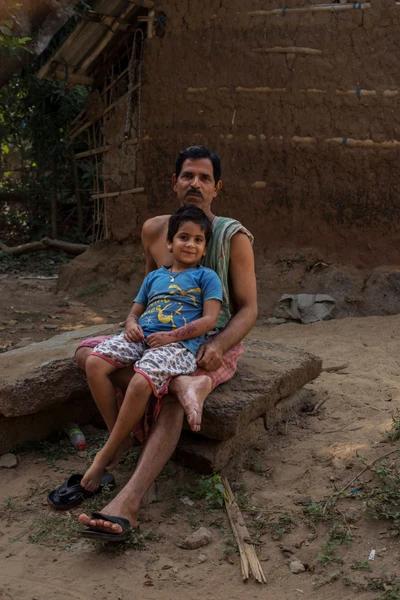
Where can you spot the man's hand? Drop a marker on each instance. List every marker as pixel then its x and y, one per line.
pixel 133 332
pixel 155 340
pixel 210 356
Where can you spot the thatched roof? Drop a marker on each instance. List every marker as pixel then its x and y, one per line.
pixel 94 41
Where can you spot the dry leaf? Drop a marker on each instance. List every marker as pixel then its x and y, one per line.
pixel 12 322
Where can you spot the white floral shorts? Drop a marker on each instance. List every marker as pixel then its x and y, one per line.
pixel 158 365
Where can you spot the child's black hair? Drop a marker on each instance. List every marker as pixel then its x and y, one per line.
pixel 192 214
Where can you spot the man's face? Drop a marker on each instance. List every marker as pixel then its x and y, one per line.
pixel 195 183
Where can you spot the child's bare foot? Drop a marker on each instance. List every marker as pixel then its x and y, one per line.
pixel 91 479
pixel 114 462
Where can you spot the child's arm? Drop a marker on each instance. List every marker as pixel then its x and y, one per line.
pixel 133 331
pixel 194 329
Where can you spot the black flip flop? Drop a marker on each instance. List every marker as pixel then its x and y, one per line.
pixel 103 536
pixel 71 493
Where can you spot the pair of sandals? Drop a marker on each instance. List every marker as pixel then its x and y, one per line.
pixel 70 493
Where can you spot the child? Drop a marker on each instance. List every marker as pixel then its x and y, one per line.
pixel 174 308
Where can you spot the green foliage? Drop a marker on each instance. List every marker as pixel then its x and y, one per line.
pixel 328 554
pixel 394 432
pixel 383 501
pixel 211 489
pixel 40 263
pixel 362 565
pixel 284 524
pixel 35 157
pixel 8 39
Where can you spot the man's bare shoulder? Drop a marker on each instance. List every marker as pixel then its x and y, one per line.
pixel 154 226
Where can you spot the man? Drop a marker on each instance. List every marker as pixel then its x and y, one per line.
pixel 196 181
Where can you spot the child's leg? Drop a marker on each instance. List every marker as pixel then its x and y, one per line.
pixel 131 411
pixel 108 356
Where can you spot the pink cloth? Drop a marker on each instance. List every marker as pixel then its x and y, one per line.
pixel 225 373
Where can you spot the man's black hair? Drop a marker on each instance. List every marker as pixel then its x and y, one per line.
pixel 193 214
pixel 195 152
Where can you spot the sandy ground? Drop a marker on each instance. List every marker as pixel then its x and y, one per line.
pixel 311 455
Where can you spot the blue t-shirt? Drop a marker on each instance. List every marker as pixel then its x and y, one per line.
pixel 172 304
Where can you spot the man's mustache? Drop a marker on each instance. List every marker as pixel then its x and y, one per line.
pixel 194 192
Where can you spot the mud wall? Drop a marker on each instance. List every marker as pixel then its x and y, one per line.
pixel 316 139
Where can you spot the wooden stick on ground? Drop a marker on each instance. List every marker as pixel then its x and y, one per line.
pixel 248 557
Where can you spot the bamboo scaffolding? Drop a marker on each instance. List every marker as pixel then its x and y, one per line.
pixel 61 74
pixel 100 150
pixel 86 125
pixel 311 8
pixel 138 190
pixel 249 562
pixel 288 49
pixel 113 28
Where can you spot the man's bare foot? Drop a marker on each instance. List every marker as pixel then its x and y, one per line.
pixel 116 509
pixel 191 393
pixel 124 447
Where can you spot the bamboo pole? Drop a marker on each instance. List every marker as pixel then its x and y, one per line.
pixel 312 91
pixel 60 74
pixel 303 140
pixel 100 150
pixel 288 49
pixel 105 39
pixel 249 562
pixel 352 143
pixel 144 3
pixel 311 8
pixel 86 125
pixel 259 185
pixel 139 190
pixel 358 92
pixel 192 90
pixel 259 90
pixel 390 93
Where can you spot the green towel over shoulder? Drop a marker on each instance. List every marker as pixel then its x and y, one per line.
pixel 217 258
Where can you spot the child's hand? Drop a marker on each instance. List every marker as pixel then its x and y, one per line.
pixel 159 339
pixel 133 332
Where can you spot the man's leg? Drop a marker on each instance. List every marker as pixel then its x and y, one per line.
pixel 162 441
pixel 192 390
pixel 192 393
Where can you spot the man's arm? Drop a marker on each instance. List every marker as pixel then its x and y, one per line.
pixel 154 241
pixel 243 294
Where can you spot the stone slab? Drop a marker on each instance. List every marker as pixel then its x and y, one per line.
pixel 43 375
pixel 267 372
pixel 15 431
pixel 210 456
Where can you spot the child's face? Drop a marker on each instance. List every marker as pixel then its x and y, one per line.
pixel 189 244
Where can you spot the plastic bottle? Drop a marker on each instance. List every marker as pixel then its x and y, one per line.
pixel 75 435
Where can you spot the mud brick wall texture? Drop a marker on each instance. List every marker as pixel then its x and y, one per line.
pixel 304 108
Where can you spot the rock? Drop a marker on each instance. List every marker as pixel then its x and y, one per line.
pixel 288 551
pixel 352 515
pixel 8 461
pixel 209 456
pixel 267 373
pixel 297 567
pixel 202 558
pixel 199 538
pixel 187 501
pixel 41 376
